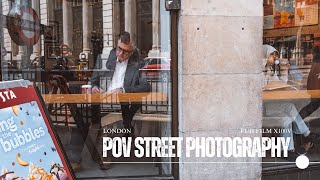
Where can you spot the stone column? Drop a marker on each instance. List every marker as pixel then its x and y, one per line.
pixel 164 31
pixel 130 11
pixel 87 27
pixel 67 22
pixel 46 15
pixel 21 57
pixel 219 55
pixel 155 51
pixel 4 68
pixel 50 10
pixel 107 29
pixel 7 42
pixel 2 49
pixel 116 21
pixel 37 46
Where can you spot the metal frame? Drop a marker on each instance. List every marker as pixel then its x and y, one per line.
pixel 174 82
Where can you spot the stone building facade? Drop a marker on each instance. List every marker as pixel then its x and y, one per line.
pixel 220 80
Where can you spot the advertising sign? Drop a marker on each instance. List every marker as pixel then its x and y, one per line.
pixel 290 13
pixel 29 148
pixel 306 12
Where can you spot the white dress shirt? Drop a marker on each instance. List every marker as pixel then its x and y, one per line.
pixel 118 75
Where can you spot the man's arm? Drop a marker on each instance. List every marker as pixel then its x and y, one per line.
pixel 96 75
pixel 95 78
pixel 140 84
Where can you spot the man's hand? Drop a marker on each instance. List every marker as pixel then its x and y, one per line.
pixel 118 90
pixel 97 90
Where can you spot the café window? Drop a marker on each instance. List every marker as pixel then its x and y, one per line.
pixel 76 58
pixel 291 52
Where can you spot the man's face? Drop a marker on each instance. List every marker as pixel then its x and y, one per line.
pixel 124 51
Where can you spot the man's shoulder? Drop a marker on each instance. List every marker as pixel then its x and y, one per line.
pixel 111 54
pixel 113 50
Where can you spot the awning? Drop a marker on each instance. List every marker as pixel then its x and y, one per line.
pixel 288 39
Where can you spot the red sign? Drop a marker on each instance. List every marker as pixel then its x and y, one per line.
pixel 23 25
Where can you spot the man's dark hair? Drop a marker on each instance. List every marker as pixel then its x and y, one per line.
pixel 125 37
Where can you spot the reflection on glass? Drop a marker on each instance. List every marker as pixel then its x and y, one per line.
pixel 290 95
pixel 80 46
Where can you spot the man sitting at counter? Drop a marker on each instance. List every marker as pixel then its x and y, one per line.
pixel 124 63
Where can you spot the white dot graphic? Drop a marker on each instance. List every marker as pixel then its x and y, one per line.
pixel 302 162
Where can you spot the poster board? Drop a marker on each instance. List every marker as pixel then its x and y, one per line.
pixel 306 12
pixel 29 147
pixel 290 13
pixel 283 13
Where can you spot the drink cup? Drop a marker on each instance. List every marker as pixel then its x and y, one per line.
pixel 86 89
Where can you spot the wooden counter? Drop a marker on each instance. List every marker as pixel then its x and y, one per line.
pixel 104 98
pixel 290 94
pixel 158 97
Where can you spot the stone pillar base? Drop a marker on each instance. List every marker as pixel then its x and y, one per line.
pixel 7 58
pixel 154 53
pixel 20 61
pixel 33 56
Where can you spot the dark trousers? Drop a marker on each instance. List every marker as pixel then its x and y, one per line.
pixel 310 108
pixel 128 111
pixel 80 135
pixel 77 143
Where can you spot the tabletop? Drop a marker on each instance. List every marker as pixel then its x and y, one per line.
pixel 290 94
pixel 105 98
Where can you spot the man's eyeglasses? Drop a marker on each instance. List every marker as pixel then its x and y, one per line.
pixel 126 52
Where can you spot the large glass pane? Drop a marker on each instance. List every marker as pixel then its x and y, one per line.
pixel 117 50
pixel 291 93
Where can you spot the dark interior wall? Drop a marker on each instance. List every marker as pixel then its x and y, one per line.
pixel 77 27
pixel 144 25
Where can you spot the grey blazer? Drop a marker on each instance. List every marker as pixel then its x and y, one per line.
pixel 133 82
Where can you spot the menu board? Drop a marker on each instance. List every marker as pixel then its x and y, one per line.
pixel 290 13
pixel 29 148
pixel 306 12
